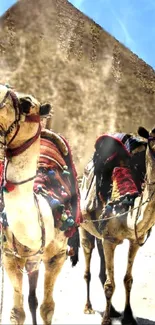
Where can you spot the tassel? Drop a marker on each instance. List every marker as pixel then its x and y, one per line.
pixel 39 188
pixel 61 208
pixel 65 173
pixel 51 173
pixel 1 171
pixel 64 194
pixel 64 226
pixel 54 203
pixel 108 210
pixel 8 187
pixel 70 221
pixel 64 217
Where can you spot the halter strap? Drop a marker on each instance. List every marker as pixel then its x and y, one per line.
pixel 18 150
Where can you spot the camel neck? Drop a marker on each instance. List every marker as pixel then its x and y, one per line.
pixel 20 207
pixel 148 210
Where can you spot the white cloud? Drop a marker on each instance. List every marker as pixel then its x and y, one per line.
pixel 128 41
pixel 77 3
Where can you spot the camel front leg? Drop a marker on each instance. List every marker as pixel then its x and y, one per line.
pixel 109 286
pixel 12 265
pixel 88 244
pixel 52 268
pixel 113 312
pixel 32 267
pixel 128 318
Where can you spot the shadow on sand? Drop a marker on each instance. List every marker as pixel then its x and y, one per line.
pixel 144 321
pixel 140 321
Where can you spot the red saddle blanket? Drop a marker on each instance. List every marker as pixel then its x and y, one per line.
pixel 57 181
pixel 123 183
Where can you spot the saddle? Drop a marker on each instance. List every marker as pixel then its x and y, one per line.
pixel 118 168
pixel 56 180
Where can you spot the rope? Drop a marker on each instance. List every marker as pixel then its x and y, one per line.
pixel 137 216
pixel 118 215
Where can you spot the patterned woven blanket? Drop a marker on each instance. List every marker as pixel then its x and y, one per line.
pixel 57 181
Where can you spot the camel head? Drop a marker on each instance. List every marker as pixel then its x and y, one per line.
pixel 150 152
pixel 19 118
pixel 18 109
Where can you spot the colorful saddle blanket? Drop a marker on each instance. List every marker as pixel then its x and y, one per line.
pixel 117 170
pixel 57 181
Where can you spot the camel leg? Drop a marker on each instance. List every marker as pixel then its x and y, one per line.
pixel 52 268
pixel 109 286
pixel 33 279
pixel 16 277
pixel 102 275
pixel 88 244
pixel 128 280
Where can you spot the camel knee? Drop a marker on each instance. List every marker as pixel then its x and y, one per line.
pixel 109 289
pixel 47 311
pixel 87 276
pixel 128 280
pixel 87 245
pixel 17 316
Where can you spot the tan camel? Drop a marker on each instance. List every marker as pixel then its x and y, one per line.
pixel 133 225
pixel 31 235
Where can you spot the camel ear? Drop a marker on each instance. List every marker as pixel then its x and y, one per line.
pixel 143 132
pixel 25 105
pixel 45 109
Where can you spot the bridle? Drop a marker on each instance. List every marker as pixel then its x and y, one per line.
pixel 19 116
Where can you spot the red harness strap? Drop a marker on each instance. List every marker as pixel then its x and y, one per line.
pixel 17 151
pixel 1 172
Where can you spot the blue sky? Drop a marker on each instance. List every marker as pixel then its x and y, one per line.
pixel 132 22
pixel 5 4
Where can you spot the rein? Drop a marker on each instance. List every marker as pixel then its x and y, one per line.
pixel 17 151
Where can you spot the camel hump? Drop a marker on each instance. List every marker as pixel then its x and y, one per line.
pixel 57 139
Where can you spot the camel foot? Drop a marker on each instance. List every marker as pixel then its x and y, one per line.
pixel 88 309
pixel 114 313
pixel 128 318
pixel 127 321
pixel 17 316
pixel 106 321
pixel 46 312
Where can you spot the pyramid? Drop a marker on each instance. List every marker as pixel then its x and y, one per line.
pixel 95 84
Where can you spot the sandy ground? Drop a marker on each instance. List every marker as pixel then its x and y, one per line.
pixel 70 290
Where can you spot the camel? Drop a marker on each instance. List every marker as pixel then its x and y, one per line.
pixel 31 234
pixel 134 224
